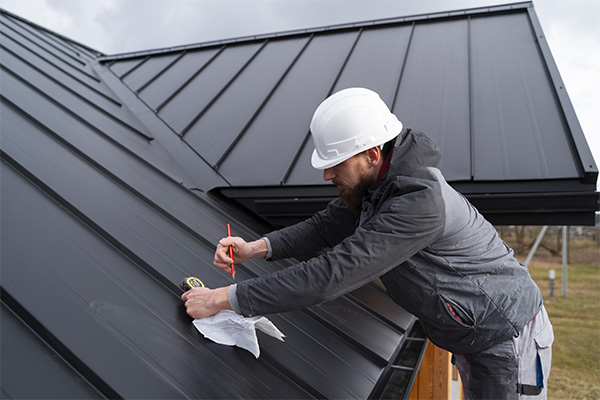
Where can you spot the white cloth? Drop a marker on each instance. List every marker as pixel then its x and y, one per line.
pixel 231 329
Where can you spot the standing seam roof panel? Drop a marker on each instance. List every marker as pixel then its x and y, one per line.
pixel 480 82
pixel 75 63
pixel 376 61
pixel 514 105
pixel 433 96
pixel 198 93
pixel 44 366
pixel 152 253
pixel 106 209
pixel 112 119
pixel 70 126
pixel 166 85
pixel 90 89
pixel 226 119
pixel 474 81
pixel 279 127
pixel 122 68
pixel 152 67
pixel 123 304
pixel 83 202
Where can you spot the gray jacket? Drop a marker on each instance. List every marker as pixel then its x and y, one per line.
pixel 436 255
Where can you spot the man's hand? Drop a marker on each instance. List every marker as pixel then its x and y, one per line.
pixel 201 302
pixel 242 251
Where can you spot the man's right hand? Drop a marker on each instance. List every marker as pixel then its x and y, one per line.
pixel 242 251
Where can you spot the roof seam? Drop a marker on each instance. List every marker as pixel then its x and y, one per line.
pixel 71 112
pixel 402 68
pixel 191 78
pixel 79 68
pixel 223 89
pixel 166 68
pixel 67 45
pixel 92 127
pixel 112 176
pixel 59 68
pixel 139 64
pixel 80 96
pixel 255 115
pixel 164 123
pixel 471 100
pixel 369 353
pixel 46 336
pixel 332 87
pixel 38 36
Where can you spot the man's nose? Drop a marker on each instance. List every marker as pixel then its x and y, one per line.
pixel 328 174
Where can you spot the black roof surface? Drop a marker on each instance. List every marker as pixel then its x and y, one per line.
pixel 481 83
pixel 97 229
pixel 114 169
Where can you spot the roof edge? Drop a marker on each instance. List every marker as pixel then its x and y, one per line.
pixel 53 33
pixel 587 164
pixel 327 28
pixel 284 206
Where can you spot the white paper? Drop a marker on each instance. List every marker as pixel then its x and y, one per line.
pixel 231 329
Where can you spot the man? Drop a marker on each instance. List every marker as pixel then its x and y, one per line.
pixel 399 220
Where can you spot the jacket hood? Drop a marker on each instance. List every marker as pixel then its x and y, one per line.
pixel 413 149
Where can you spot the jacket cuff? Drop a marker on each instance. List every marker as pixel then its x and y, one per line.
pixel 232 298
pixel 269 248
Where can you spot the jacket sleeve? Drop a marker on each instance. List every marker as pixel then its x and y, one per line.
pixel 406 222
pixel 324 229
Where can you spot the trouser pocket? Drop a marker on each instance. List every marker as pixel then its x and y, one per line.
pixel 534 347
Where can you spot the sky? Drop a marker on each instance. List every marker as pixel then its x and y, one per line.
pixel 572 29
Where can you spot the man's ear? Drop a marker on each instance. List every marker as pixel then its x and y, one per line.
pixel 373 155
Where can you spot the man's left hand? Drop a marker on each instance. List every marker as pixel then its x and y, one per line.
pixel 201 302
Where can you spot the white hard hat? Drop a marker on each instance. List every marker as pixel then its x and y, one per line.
pixel 349 122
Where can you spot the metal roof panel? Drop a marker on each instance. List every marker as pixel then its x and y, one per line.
pixel 226 120
pixel 152 67
pixel 95 215
pixel 477 81
pixel 519 132
pixel 434 95
pixel 376 61
pixel 481 83
pixel 101 162
pixel 172 79
pixel 182 109
pixel 283 127
pixel 108 257
pixel 53 377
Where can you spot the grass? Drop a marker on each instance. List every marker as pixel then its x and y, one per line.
pixel 575 370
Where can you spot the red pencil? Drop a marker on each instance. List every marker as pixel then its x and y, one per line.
pixel 230 251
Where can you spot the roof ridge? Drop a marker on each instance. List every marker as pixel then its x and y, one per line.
pixel 327 28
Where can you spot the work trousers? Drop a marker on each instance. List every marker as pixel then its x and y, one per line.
pixel 515 369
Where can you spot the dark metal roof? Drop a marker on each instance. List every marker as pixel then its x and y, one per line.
pixel 106 162
pixel 481 83
pixel 100 220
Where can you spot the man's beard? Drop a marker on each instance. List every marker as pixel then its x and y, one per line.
pixel 353 197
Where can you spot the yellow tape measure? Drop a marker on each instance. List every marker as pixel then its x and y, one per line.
pixel 190 282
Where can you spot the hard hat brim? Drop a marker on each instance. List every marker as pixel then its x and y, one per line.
pixel 321 163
